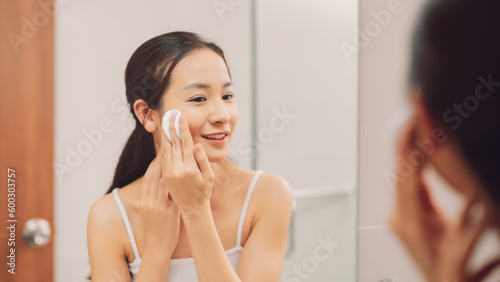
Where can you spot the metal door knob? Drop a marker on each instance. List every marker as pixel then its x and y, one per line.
pixel 37 232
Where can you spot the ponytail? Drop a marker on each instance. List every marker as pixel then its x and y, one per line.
pixel 135 158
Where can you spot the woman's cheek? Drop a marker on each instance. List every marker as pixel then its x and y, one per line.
pixel 236 114
pixel 195 134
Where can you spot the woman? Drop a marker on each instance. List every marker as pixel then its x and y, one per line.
pixel 454 129
pixel 186 208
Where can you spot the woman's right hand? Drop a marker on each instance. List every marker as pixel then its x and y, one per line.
pixel 440 246
pixel 160 218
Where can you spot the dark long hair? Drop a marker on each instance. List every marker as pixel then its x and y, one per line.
pixel 456 51
pixel 147 77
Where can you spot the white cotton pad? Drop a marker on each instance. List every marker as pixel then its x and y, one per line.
pixel 166 123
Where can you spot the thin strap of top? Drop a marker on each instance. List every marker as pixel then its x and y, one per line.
pixel 126 221
pixel 245 206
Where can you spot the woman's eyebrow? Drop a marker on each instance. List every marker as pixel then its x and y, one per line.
pixel 204 86
pixel 195 85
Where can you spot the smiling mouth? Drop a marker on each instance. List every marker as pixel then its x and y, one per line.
pixel 214 137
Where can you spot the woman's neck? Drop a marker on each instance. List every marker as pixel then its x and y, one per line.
pixel 224 172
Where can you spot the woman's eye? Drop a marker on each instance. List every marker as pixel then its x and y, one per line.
pixel 197 99
pixel 202 99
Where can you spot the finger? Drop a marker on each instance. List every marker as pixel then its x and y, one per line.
pixel 428 211
pixel 162 191
pixel 166 153
pixel 176 144
pixel 483 272
pixel 429 205
pixel 173 205
pixel 481 222
pixel 404 147
pixel 473 229
pixel 465 214
pixel 401 198
pixel 187 142
pixel 203 163
pixel 146 180
pixel 153 185
pixel 408 165
pixel 425 197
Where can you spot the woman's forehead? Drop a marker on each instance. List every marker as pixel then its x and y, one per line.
pixel 201 66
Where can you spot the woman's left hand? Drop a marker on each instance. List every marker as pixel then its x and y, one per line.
pixel 441 247
pixel 186 170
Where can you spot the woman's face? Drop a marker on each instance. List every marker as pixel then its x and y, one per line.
pixel 201 89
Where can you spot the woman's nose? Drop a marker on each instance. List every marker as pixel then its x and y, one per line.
pixel 219 113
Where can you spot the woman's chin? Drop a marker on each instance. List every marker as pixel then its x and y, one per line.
pixel 216 158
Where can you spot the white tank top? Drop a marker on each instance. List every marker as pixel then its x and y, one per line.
pixel 184 270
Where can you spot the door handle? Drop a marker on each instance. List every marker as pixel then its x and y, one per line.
pixel 37 232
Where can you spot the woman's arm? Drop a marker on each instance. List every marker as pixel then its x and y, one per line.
pixel 106 251
pixel 264 252
pixel 212 263
pixel 154 267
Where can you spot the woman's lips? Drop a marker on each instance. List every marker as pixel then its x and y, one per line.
pixel 216 141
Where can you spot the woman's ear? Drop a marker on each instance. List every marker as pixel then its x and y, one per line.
pixel 146 115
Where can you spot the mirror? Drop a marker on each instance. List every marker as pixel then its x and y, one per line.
pixel 297 101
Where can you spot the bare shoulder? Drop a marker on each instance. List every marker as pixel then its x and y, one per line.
pixel 104 220
pixel 105 211
pixel 105 241
pixel 274 184
pixel 272 192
